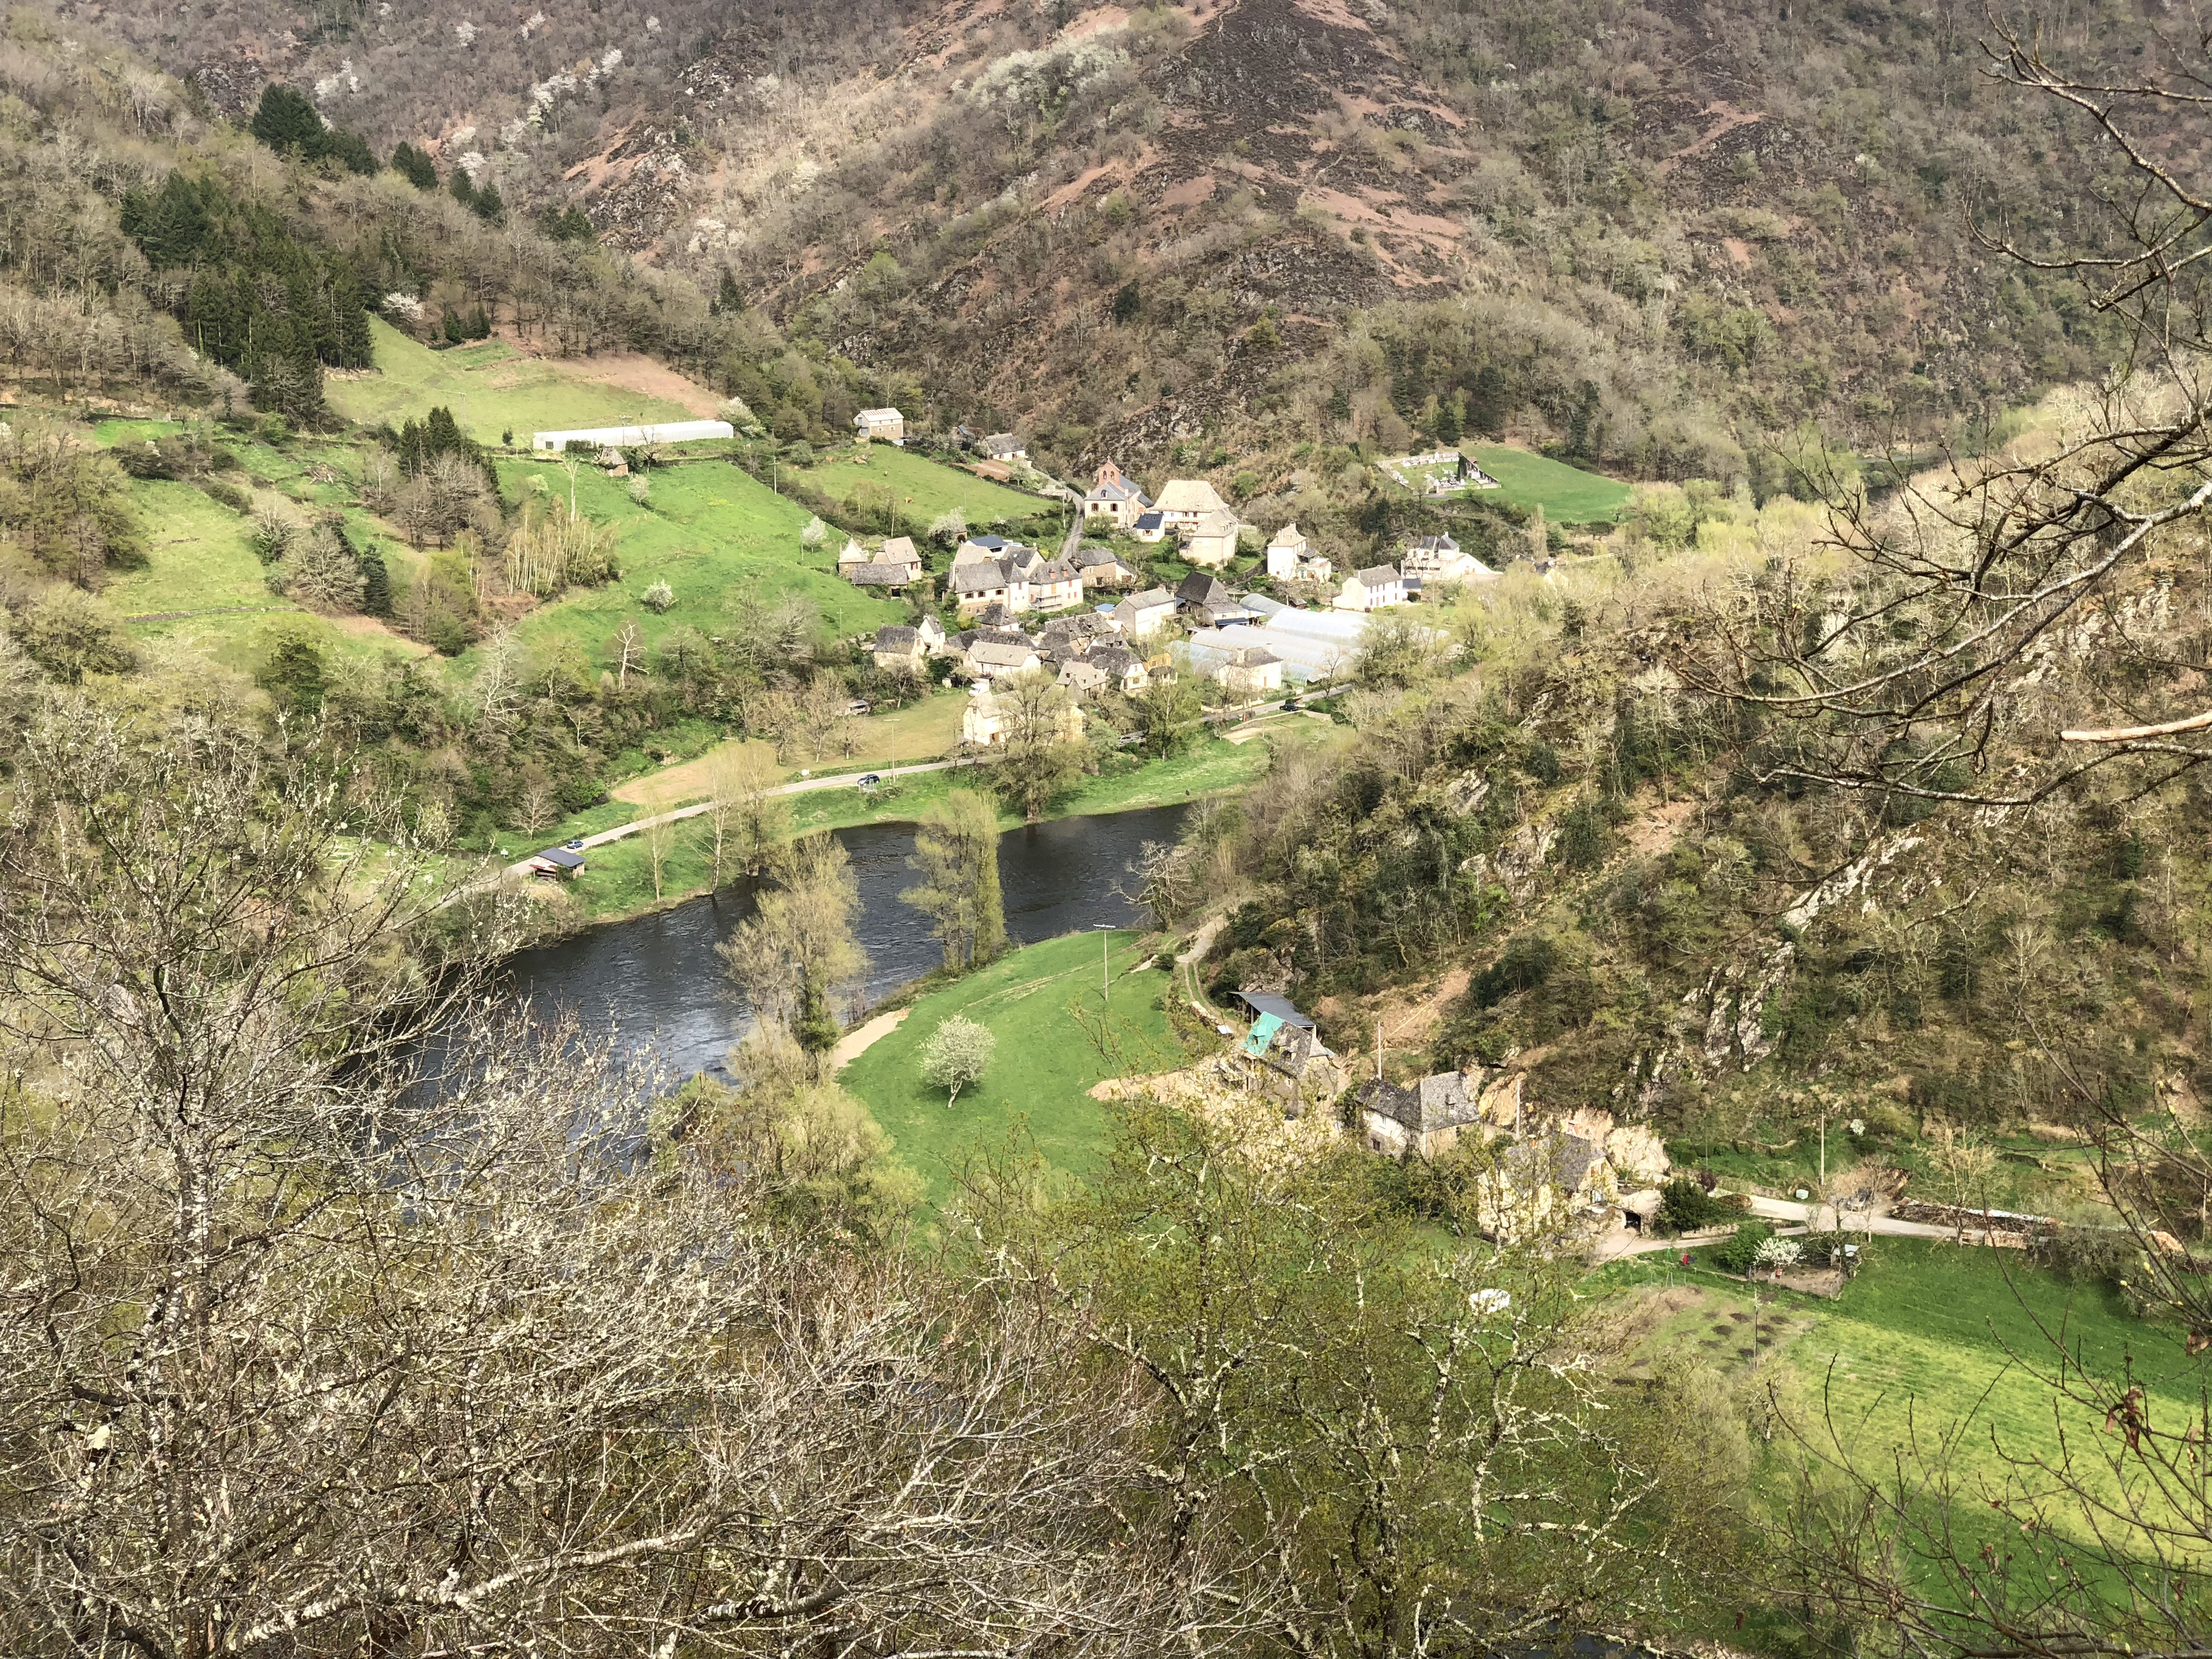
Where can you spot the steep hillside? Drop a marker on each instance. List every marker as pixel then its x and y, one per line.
pixel 1569 863
pixel 1653 234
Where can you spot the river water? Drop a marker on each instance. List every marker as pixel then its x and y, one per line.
pixel 657 983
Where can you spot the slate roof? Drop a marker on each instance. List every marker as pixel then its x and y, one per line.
pixel 892 638
pixel 989 653
pixel 1377 576
pixel 878 576
pixel 979 576
pixel 1053 570
pixel 1152 598
pixel 1149 521
pixel 1441 1102
pixel 1198 588
pixel 562 856
pixel 1267 1002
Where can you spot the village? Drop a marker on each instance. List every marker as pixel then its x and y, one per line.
pixel 1091 615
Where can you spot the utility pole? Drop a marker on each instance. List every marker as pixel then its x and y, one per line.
pixel 1105 931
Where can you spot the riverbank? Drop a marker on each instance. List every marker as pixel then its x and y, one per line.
pixel 657 984
pixel 617 885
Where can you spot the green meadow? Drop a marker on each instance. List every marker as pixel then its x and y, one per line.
pixel 712 531
pixel 1932 1346
pixel 1567 494
pixel 1044 1005
pixel 491 387
pixel 921 487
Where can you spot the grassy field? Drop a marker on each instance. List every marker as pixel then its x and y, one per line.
pixel 922 731
pixel 490 387
pixel 1568 494
pixel 924 488
pixel 1928 1338
pixel 1044 1063
pixel 710 531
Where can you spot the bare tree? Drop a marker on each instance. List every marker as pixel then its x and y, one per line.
pixel 1922 665
pixel 315 1340
pixel 743 819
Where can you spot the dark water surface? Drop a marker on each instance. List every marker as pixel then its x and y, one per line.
pixel 657 981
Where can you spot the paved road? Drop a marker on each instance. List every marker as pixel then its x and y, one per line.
pixel 838 780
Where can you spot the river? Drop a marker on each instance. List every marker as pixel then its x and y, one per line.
pixel 656 982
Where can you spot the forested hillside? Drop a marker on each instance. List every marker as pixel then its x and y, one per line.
pixel 1658 236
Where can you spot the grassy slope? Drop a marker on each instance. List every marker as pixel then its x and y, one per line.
pixel 925 488
pixel 708 530
pixel 1924 1340
pixel 1044 1063
pixel 490 387
pixel 1567 494
pixel 199 559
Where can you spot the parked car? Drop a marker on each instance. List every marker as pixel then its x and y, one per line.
pixel 575 844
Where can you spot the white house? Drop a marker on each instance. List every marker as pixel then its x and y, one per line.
pixel 1376 588
pixel 1212 542
pixel 885 426
pixel 1184 502
pixel 1004 447
pixel 1441 559
pixel 1142 615
pixel 1291 557
pixel 1250 672
pixel 623 437
pixel 1113 498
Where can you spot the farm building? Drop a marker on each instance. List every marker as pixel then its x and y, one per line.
pixel 615 437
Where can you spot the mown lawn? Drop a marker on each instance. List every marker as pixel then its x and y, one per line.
pixel 490 387
pixel 1567 494
pixel 924 488
pixel 1047 1059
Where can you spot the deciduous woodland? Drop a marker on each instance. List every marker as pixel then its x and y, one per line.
pixel 1654 558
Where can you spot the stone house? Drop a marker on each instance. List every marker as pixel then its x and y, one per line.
pixel 1114 499
pixel 1142 615
pixel 994 657
pixel 1082 679
pixel 981 583
pixel 1212 542
pixel 987 716
pixel 1249 671
pixel 880 425
pixel 1102 570
pixel 1184 501
pixel 1054 585
pixel 1441 559
pixel 1003 447
pixel 1124 671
